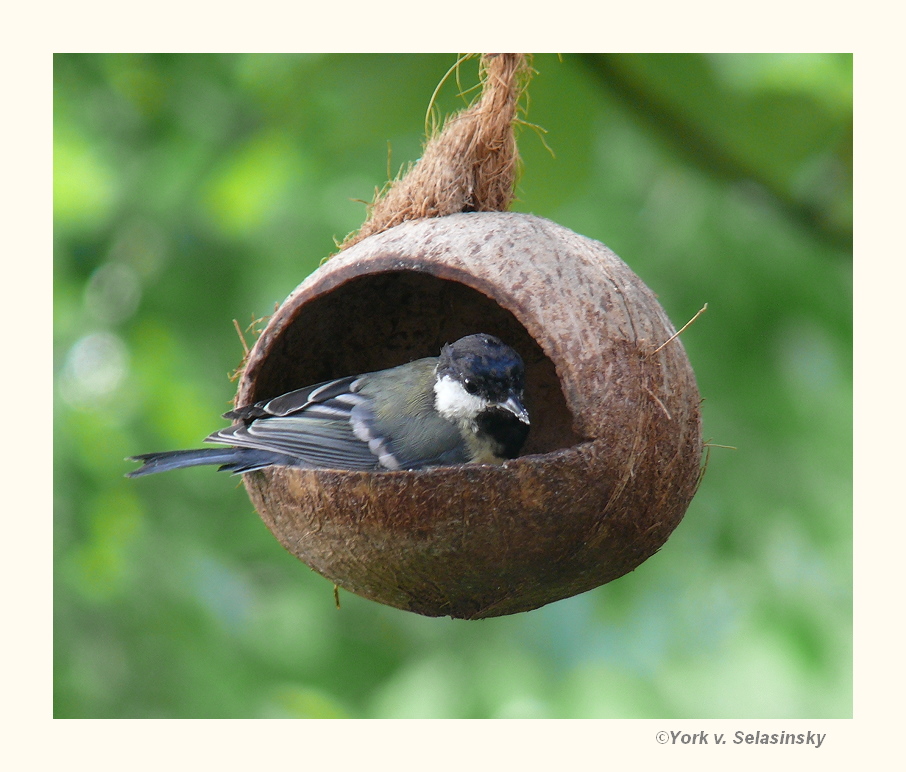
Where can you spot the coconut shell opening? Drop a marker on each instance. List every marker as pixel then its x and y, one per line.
pixel 389 318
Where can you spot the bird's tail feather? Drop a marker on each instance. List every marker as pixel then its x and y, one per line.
pixel 235 460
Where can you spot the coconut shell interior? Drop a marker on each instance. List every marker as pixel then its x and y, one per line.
pixel 381 320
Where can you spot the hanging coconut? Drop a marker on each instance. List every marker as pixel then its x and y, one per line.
pixel 613 456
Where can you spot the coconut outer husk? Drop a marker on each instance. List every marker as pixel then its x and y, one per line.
pixel 613 456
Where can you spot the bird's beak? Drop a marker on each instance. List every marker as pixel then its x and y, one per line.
pixel 515 406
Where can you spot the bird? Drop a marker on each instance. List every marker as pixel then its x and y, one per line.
pixel 464 406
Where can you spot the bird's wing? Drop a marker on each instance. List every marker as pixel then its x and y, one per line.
pixel 295 401
pixel 337 425
pixel 314 425
pixel 312 440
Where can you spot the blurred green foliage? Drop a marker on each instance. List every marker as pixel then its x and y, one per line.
pixel 191 190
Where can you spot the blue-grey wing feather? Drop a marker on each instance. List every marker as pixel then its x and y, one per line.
pixel 342 424
pixel 295 401
pixel 321 435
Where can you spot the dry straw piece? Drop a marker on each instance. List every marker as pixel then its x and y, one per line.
pixel 613 457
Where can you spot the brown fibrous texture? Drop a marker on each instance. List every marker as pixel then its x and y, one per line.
pixel 470 166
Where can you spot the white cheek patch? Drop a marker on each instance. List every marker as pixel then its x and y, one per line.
pixel 454 403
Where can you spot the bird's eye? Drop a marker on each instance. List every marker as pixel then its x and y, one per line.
pixel 470 386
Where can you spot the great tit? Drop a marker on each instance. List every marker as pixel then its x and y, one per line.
pixel 464 406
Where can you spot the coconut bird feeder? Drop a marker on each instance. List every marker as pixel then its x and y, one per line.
pixel 613 456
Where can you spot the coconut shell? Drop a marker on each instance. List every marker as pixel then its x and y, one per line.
pixel 612 460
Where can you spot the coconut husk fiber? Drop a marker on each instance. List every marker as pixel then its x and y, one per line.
pixel 470 166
